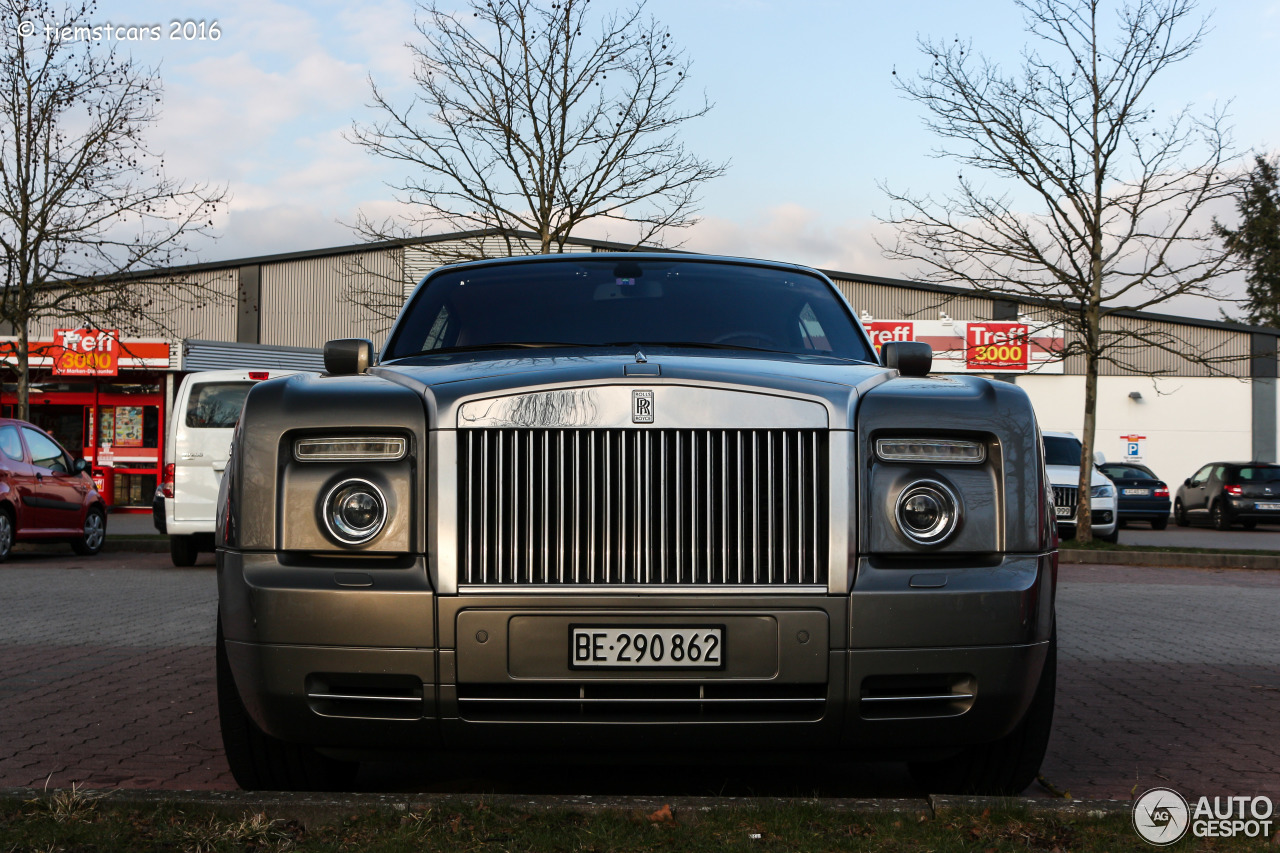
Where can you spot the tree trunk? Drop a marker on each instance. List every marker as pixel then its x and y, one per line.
pixel 24 373
pixel 1084 506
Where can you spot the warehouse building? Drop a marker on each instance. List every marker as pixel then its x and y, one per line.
pixel 275 312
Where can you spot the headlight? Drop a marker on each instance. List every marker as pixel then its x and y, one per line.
pixel 927 512
pixel 930 450
pixel 354 511
pixel 1107 491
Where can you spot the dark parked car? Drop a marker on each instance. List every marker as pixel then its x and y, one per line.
pixel 45 494
pixel 1142 495
pixel 1230 492
pixel 635 503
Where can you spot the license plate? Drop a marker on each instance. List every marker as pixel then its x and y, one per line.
pixel 1065 511
pixel 1143 492
pixel 646 647
pixel 1266 506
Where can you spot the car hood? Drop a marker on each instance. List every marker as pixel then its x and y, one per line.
pixel 1069 475
pixel 449 383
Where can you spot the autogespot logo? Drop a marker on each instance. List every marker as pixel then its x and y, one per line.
pixel 1161 816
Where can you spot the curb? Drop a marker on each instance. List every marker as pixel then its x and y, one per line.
pixel 313 809
pixel 1171 559
pixel 113 545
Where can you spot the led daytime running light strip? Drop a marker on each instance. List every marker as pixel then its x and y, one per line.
pixel 930 450
pixel 364 448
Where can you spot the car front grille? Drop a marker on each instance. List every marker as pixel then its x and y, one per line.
pixel 1065 496
pixel 642 507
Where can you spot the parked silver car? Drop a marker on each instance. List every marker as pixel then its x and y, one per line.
pixel 640 503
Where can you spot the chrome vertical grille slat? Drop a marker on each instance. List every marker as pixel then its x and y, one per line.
pixel 659 508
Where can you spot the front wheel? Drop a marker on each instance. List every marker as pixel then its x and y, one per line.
pixel 1160 523
pixel 1005 767
pixel 260 762
pixel 94 534
pixel 1219 516
pixel 1180 514
pixel 6 534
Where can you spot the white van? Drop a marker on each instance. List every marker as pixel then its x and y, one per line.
pixel 205 412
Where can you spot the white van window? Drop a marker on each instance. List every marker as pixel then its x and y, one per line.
pixel 216 405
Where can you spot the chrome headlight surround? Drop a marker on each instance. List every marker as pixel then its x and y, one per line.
pixel 928 497
pixel 349 498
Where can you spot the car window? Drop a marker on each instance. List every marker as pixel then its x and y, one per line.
pixel 1123 472
pixel 579 301
pixel 1062 450
pixel 1260 474
pixel 216 405
pixel 45 453
pixel 10 443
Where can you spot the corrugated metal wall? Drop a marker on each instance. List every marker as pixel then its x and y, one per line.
pixel 898 303
pixel 219 355
pixel 199 305
pixel 422 259
pixel 1154 348
pixel 308 302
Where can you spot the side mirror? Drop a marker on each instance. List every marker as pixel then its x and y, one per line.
pixel 1099 458
pixel 79 466
pixel 347 356
pixel 910 358
pixel 1186 482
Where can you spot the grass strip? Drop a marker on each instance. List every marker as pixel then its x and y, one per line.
pixel 76 821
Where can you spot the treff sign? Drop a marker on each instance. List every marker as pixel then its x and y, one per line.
pixel 86 352
pixel 997 346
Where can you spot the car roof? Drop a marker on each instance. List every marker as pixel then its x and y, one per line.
pixel 1048 434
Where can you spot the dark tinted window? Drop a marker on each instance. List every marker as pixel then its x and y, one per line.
pixel 1258 474
pixel 10 444
pixel 586 302
pixel 1128 472
pixel 1061 451
pixel 44 451
pixel 216 405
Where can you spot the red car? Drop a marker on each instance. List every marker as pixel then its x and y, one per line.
pixel 44 493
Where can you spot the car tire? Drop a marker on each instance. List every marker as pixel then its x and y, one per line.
pixel 1113 537
pixel 1248 525
pixel 1160 523
pixel 1180 514
pixel 94 535
pixel 1005 767
pixel 7 531
pixel 1120 525
pixel 260 762
pixel 183 550
pixel 1219 517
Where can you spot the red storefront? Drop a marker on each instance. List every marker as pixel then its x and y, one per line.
pixel 114 421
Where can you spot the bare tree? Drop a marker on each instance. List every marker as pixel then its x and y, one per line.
pixel 537 117
pixel 1122 198
pixel 84 203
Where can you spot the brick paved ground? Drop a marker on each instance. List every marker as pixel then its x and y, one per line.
pixel 1167 677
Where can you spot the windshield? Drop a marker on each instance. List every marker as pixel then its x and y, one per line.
pixel 1061 451
pixel 580 301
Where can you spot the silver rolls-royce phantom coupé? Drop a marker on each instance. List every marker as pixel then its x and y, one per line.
pixel 635 503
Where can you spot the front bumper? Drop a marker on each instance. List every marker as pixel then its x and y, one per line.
pixel 371 660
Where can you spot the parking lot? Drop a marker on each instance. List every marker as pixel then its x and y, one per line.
pixel 1167 677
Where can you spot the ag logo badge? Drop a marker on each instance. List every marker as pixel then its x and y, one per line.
pixel 1161 816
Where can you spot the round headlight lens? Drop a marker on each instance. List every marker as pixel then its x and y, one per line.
pixel 927 512
pixel 355 511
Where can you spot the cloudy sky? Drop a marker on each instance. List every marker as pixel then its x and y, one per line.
pixel 805 111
